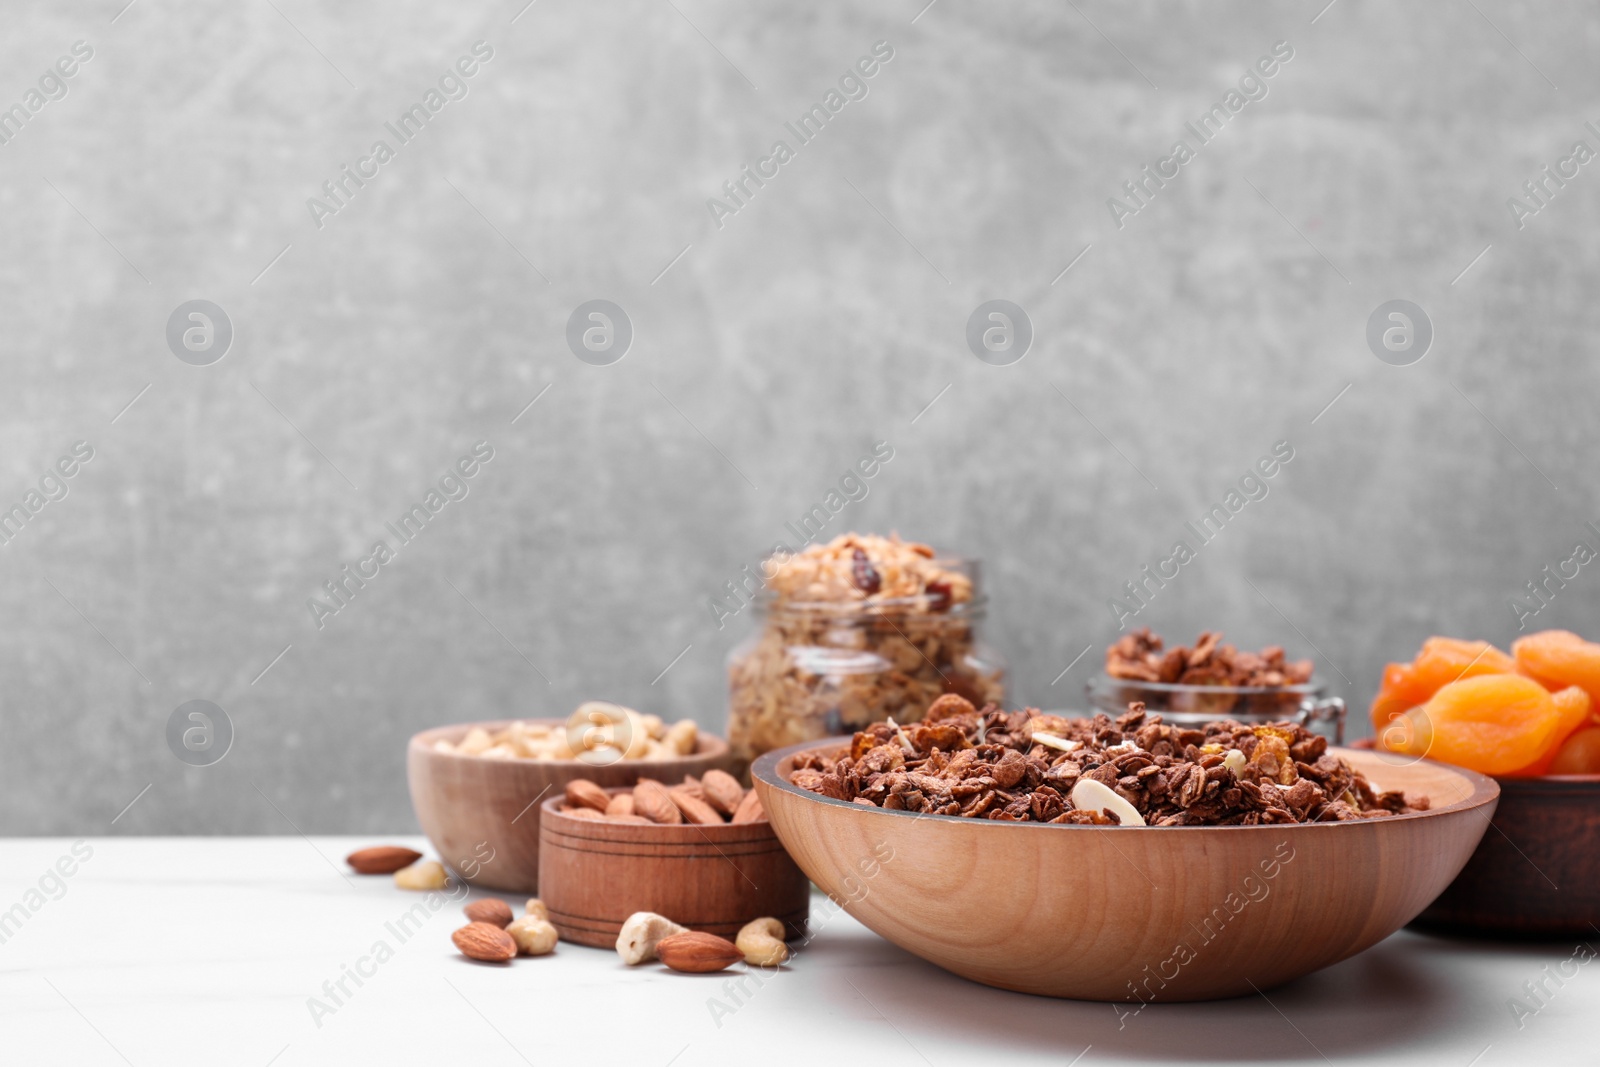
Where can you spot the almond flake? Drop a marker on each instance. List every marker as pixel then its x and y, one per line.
pixel 905 741
pixel 1052 741
pixel 1091 795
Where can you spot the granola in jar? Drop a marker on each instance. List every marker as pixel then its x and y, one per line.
pixel 1213 680
pixel 1139 656
pixel 852 632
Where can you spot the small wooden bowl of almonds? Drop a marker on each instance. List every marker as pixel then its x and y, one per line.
pixel 477 787
pixel 701 852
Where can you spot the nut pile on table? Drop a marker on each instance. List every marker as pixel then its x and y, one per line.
pixel 410 870
pixel 1024 766
pixel 493 934
pixel 646 936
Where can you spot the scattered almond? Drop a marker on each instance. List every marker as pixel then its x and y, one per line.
pixel 698 953
pixel 750 809
pixel 422 875
pixel 493 911
pixel 723 791
pixel 651 800
pixel 582 793
pixel 484 941
pixel 382 859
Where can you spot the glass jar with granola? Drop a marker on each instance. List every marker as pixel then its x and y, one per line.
pixel 1192 686
pixel 855 631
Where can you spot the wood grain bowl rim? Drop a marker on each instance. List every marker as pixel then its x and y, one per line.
pixel 1485 791
pixel 707 746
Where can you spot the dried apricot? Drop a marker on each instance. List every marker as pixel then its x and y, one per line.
pixel 1572 706
pixel 1442 660
pixel 1580 754
pixel 1559 658
pixel 1494 724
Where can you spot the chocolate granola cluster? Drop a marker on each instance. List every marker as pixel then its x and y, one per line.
pixel 1024 766
pixel 1138 656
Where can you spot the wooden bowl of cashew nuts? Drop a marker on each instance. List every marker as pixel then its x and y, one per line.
pixel 482 812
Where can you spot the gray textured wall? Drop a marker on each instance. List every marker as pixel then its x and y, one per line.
pixel 826 314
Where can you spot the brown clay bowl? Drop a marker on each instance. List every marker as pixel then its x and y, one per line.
pixel 482 815
pixel 1132 914
pixel 593 874
pixel 1537 872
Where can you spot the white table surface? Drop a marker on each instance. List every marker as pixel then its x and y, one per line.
pixel 169 951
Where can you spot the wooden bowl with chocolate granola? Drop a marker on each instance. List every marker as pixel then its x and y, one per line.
pixel 1123 860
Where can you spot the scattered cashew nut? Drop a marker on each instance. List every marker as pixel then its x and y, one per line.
pixel 641 933
pixel 683 736
pixel 761 941
pixel 422 875
pixel 533 935
pixel 537 910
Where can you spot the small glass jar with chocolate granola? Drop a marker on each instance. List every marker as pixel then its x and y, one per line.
pixel 1212 680
pixel 856 631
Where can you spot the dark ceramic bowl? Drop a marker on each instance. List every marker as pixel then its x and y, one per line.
pixel 1536 873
